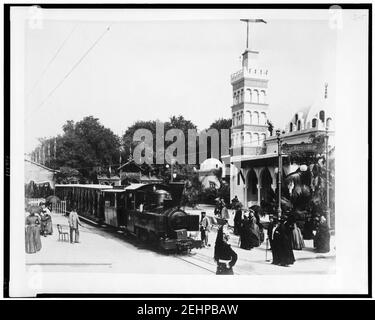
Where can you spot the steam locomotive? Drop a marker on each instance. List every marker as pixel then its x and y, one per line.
pixel 149 211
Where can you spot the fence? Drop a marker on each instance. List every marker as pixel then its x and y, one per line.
pixel 59 207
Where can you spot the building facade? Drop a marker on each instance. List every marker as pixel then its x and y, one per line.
pixel 253 158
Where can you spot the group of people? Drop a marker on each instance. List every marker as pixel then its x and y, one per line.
pixel 280 237
pixel 283 234
pixel 39 224
pixel 249 229
pixel 221 210
pixel 36 225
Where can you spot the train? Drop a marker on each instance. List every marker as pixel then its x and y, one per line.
pixel 150 211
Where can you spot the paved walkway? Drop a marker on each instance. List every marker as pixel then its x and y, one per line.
pixel 105 250
pixel 101 250
pixel 258 260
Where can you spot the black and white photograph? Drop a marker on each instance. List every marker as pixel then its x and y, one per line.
pixel 197 151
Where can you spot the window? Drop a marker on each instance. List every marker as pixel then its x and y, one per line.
pixel 299 125
pixel 262 97
pixel 322 116
pixel 256 96
pixel 296 117
pixel 329 122
pixel 248 95
pixel 314 122
pixel 263 118
pixel 248 117
pixel 256 118
pixel 238 179
pixel 291 127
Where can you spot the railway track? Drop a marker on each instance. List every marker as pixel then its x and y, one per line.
pixel 200 263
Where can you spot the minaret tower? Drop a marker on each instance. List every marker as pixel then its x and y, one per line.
pixel 250 107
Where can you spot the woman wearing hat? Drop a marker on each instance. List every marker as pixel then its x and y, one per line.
pixel 32 233
pixel 224 255
pixel 282 248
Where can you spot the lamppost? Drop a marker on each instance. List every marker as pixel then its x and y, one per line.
pixel 328 214
pixel 279 172
pixel 173 175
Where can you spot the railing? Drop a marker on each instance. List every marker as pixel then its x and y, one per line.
pixel 251 72
pixel 247 151
pixel 59 207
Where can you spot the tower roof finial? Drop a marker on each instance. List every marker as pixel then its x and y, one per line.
pixel 326 90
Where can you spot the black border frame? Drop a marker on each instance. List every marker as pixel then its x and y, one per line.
pixel 7 113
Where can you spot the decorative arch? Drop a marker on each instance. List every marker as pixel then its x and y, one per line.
pixel 255 96
pixel 329 123
pixel 255 119
pixel 266 192
pixel 262 98
pixel 255 140
pixel 299 125
pixel 248 95
pixel 252 186
pixel 263 118
pixel 322 116
pixel 248 117
pixel 248 138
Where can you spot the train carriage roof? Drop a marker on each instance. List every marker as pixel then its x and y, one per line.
pixel 88 186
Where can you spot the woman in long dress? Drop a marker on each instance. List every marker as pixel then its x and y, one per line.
pixel 224 255
pixel 254 233
pixel 32 234
pixel 245 234
pixel 322 237
pixel 296 237
pixel 237 222
pixel 282 247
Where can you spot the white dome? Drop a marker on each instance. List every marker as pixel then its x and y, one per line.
pixel 318 115
pixel 211 163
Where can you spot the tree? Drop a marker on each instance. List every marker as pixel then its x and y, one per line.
pixel 86 146
pixel 308 187
pixel 175 122
pixel 219 125
pixel 67 175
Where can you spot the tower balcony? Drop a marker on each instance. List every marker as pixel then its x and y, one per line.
pixel 255 73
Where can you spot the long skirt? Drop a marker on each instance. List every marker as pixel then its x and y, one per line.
pixel 32 239
pixel 282 252
pixel 223 269
pixel 48 226
pixel 322 241
pixel 297 240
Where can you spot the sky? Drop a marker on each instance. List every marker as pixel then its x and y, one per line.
pixel 148 70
